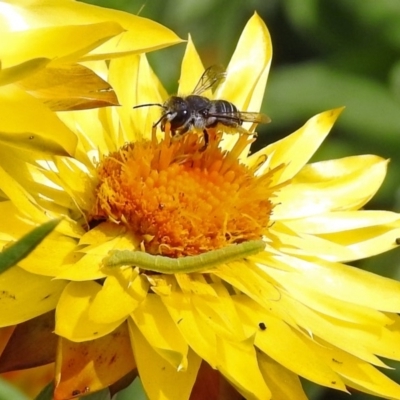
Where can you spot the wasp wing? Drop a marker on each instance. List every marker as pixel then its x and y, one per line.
pixel 211 77
pixel 258 118
pixel 242 116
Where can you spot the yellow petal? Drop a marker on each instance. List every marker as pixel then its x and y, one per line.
pixel 359 340
pixel 87 124
pixel 357 373
pixel 155 324
pixel 284 345
pixel 340 221
pixel 308 138
pixel 21 71
pixel 216 308
pixel 238 362
pixel 324 171
pixel 199 336
pixel 368 241
pixel 136 84
pixel 39 129
pixel 171 383
pixel 55 42
pixel 297 244
pixel 321 302
pixel 27 173
pixel 341 282
pixel 12 228
pixel 249 65
pixel 191 70
pixel 390 338
pixel 72 313
pixel 346 235
pixel 92 365
pixel 70 87
pixel 82 269
pixel 49 256
pixel 78 182
pixel 127 294
pixel 345 184
pixel 24 295
pixel 297 314
pixel 377 383
pixel 101 233
pixel 88 261
pixel 343 246
pixel 161 284
pixel 250 280
pixel 196 284
pixel 140 33
pixel 283 383
pixel 45 184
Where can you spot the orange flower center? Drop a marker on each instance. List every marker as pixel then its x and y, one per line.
pixel 182 199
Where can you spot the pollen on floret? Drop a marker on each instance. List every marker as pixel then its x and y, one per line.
pixel 180 198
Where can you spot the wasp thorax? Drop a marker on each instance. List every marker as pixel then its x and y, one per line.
pixel 198 113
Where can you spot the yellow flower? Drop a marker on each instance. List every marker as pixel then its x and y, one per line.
pixel 50 29
pixel 41 61
pixel 257 323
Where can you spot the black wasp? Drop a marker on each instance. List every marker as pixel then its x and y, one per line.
pixel 196 112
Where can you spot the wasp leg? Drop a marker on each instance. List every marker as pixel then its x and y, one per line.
pixel 154 133
pixel 206 138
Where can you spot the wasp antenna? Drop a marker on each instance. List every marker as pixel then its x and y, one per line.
pixel 149 105
pixel 156 123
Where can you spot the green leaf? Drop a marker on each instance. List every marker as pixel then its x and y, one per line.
pixel 101 395
pixel 19 250
pixel 8 391
pixel 46 393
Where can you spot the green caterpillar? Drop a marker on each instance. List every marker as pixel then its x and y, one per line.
pixel 201 262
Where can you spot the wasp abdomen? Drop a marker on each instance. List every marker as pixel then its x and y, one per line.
pixel 223 112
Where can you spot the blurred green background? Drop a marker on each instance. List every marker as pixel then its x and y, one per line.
pixel 327 54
